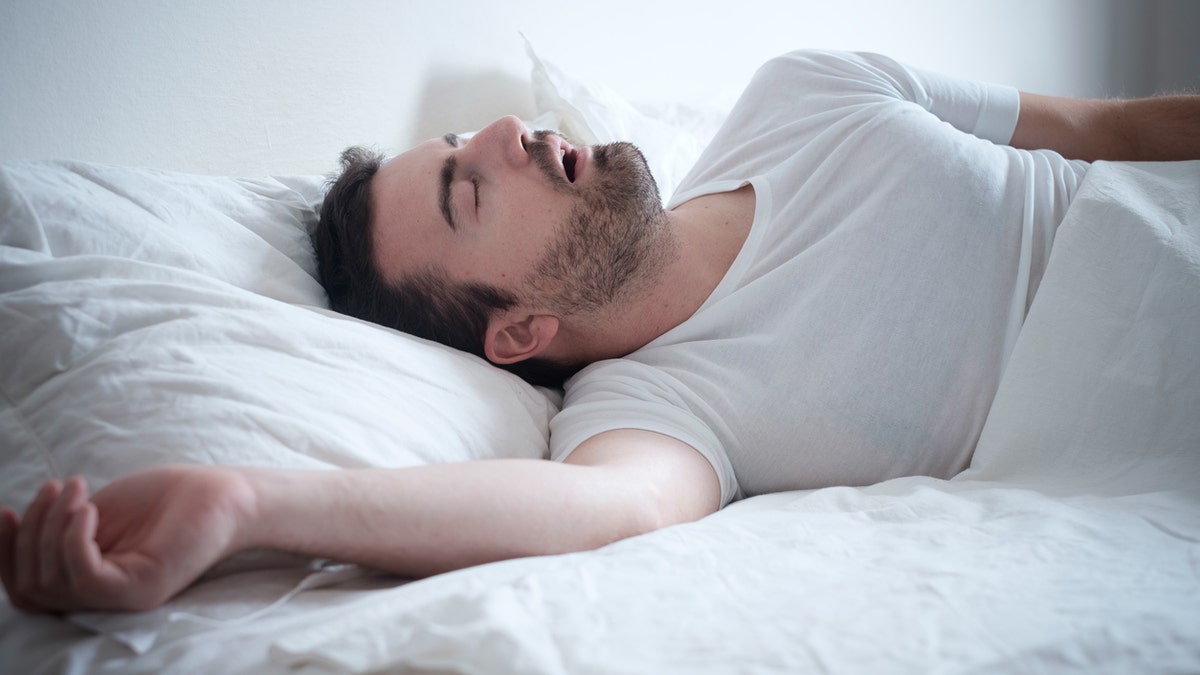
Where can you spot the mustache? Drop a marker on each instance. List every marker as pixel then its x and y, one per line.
pixel 548 160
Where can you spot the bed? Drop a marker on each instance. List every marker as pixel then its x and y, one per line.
pixel 151 317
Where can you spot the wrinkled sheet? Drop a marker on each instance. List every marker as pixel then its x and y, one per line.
pixel 1072 544
pixel 151 317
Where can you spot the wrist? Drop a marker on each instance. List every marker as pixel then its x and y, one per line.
pixel 269 503
pixel 246 496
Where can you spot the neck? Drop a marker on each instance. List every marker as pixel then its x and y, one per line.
pixel 709 232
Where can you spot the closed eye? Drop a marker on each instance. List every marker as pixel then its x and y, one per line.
pixel 475 185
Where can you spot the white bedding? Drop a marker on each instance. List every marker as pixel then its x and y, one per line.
pixel 149 317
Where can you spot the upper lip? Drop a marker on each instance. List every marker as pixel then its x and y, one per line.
pixel 566 154
pixel 570 161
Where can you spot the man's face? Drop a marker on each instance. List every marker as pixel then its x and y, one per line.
pixel 561 227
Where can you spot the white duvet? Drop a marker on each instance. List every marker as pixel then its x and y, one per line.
pixel 152 317
pixel 1072 544
pixel 148 317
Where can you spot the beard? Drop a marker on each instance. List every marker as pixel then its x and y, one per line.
pixel 615 242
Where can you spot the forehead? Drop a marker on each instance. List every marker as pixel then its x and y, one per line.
pixel 403 212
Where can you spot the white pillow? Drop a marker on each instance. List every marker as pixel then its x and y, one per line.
pixel 149 317
pixel 670 135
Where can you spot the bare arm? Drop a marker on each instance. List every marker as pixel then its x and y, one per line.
pixel 145 537
pixel 1164 128
pixel 441 517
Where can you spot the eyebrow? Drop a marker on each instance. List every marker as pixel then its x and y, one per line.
pixel 444 190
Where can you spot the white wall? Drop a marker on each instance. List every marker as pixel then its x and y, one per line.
pixel 1159 44
pixel 253 87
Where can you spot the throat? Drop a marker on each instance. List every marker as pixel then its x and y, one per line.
pixel 703 238
pixel 709 233
pixel 712 230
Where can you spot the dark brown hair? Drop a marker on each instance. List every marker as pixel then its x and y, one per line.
pixel 426 304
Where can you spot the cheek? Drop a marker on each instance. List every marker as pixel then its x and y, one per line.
pixel 511 238
pixel 500 261
pixel 527 233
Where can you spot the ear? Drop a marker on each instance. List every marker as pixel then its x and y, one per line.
pixel 513 336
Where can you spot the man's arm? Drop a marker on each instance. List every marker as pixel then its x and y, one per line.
pixel 145 537
pixel 441 517
pixel 1164 128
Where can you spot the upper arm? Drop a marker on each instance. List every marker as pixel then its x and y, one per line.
pixel 673 480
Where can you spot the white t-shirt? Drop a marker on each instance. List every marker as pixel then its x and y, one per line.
pixel 861 331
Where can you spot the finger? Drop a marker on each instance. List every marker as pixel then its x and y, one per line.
pixel 82 556
pixel 28 536
pixel 50 568
pixel 9 523
pixel 95 582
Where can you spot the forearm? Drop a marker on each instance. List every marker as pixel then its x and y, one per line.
pixel 425 520
pixel 1164 128
pixel 146 536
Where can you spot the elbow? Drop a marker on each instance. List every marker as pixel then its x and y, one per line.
pixel 614 521
pixel 654 509
pixel 651 516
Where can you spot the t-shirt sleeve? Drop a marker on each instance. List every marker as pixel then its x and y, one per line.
pixel 983 109
pixel 622 394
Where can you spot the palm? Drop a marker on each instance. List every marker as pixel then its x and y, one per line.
pixel 139 541
pixel 160 530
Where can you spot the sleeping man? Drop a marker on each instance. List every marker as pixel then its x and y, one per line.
pixel 828 299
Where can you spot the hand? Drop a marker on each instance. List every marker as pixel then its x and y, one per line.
pixel 132 546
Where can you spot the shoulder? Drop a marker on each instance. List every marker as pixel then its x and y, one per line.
pixel 790 100
pixel 638 400
pixel 832 67
pixel 811 82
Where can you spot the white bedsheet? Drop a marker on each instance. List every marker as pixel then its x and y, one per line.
pixel 150 317
pixel 1072 544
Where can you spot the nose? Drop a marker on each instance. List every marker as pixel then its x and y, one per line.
pixel 501 140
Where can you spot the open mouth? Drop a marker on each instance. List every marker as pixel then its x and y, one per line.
pixel 568 161
pixel 552 151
